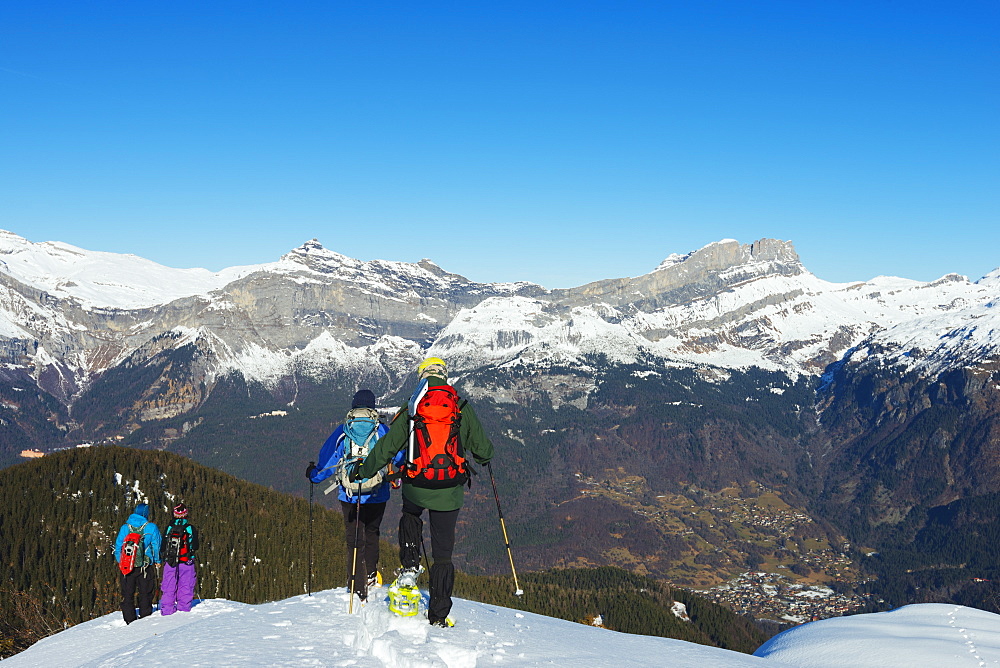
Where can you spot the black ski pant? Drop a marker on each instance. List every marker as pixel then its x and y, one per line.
pixel 143 581
pixel 411 529
pixel 362 531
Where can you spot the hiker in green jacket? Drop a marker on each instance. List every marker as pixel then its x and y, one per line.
pixel 438 430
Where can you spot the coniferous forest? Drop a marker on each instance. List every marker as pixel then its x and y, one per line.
pixel 62 513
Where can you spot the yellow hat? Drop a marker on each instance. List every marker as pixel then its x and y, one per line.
pixel 431 362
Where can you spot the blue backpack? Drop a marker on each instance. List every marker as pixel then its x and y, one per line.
pixel 360 433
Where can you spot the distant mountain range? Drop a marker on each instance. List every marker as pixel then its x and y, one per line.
pixel 726 305
pixel 613 404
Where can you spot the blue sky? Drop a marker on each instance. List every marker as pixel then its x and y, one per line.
pixel 556 142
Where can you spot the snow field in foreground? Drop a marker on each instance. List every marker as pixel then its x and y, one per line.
pixel 318 631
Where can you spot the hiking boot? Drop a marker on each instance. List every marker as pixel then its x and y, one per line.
pixel 443 622
pixel 374 580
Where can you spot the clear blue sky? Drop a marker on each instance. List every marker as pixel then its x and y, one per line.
pixel 556 142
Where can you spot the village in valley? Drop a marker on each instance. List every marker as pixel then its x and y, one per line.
pixel 776 597
pixel 747 549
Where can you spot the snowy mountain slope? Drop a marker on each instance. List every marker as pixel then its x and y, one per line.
pixel 727 305
pixel 929 634
pixel 967 332
pixel 86 311
pixel 104 280
pixel 776 320
pixel 97 279
pixel 317 630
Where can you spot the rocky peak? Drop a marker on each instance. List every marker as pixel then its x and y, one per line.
pixel 313 255
pixel 705 271
pixel 730 254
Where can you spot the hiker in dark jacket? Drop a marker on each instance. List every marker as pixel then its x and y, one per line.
pixel 442 504
pixel 180 541
pixel 142 577
pixel 362 521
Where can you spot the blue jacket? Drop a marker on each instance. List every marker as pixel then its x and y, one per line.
pixel 150 535
pixel 329 457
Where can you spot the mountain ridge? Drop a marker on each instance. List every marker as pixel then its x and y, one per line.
pixel 726 304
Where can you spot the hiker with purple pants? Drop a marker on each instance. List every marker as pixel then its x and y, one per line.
pixel 180 540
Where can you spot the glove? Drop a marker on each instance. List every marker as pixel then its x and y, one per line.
pixel 310 470
pixel 352 469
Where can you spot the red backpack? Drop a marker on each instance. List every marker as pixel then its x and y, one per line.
pixel 132 553
pixel 438 459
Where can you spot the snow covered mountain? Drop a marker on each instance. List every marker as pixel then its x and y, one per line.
pixel 307 630
pixel 67 315
pixel 862 405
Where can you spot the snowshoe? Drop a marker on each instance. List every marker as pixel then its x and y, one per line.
pixel 403 600
pixel 404 596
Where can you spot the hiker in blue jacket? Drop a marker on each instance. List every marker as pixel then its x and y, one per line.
pixel 364 537
pixel 142 578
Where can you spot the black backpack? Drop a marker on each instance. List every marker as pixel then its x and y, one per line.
pixel 177 548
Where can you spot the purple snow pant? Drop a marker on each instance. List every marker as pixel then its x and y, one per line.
pixel 178 588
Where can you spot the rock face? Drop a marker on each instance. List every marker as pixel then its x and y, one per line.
pixel 902 441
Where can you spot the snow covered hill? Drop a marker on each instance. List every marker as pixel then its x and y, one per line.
pixel 317 630
pixel 97 279
pixel 928 634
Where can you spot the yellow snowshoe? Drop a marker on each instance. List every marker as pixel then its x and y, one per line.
pixel 404 600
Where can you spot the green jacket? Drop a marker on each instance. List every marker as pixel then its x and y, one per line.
pixel 473 439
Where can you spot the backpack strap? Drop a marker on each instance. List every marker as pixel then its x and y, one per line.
pixel 373 435
pixel 139 530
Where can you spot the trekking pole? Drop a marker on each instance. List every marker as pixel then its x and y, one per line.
pixel 427 562
pixel 354 560
pixel 309 576
pixel 157 592
pixel 503 525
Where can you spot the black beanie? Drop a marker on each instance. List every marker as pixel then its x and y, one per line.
pixel 363 399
